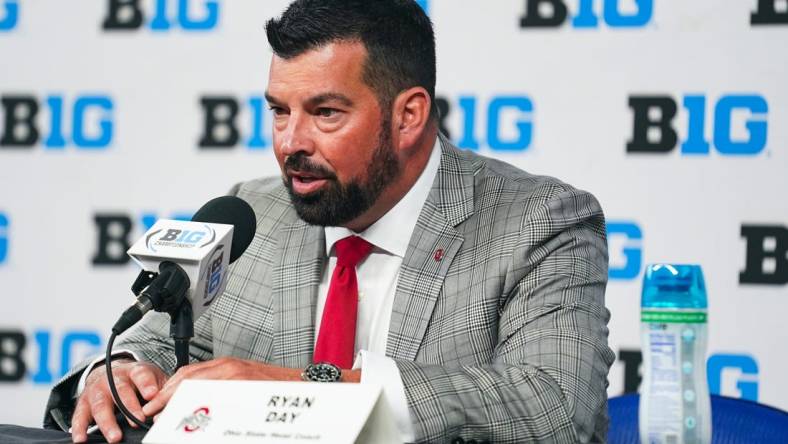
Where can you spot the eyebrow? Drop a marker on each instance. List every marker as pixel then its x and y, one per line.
pixel 271 99
pixel 328 97
pixel 316 100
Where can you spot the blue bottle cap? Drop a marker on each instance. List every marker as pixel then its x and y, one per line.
pixel 673 286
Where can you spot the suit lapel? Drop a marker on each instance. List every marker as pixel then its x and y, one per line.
pixel 296 281
pixel 432 248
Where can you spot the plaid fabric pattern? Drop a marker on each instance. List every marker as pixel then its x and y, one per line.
pixel 502 337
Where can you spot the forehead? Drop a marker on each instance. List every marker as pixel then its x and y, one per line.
pixel 332 67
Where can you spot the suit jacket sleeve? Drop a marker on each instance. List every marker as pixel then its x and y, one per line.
pixel 547 378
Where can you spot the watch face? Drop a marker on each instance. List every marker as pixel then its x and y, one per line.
pixel 322 372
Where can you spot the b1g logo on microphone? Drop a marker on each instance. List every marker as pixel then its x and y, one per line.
pixel 9 15
pixel 615 13
pixel 113 232
pixel 178 238
pixel 3 237
pixel 91 119
pixel 766 259
pixel 624 240
pixel 189 15
pixel 508 119
pixel 767 13
pixel 213 276
pixel 744 114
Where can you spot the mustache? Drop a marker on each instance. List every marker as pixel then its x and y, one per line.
pixel 301 163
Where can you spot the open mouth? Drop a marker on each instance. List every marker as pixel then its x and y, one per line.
pixel 305 183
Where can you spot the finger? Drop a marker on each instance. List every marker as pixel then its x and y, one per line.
pixel 128 395
pixel 103 411
pixel 146 380
pixel 201 370
pixel 158 402
pixel 80 420
pixel 161 399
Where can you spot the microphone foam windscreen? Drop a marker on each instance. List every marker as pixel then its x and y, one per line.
pixel 230 210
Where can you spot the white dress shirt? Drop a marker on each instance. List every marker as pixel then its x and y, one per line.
pixel 377 277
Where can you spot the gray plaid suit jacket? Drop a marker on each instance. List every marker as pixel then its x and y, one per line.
pixel 502 339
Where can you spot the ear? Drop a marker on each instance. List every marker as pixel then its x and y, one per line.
pixel 410 116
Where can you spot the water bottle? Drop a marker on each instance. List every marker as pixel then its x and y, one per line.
pixel 675 407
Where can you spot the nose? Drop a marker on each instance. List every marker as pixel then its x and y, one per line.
pixel 296 136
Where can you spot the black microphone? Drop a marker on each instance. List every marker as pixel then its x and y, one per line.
pixel 166 289
pixel 174 246
pixel 230 210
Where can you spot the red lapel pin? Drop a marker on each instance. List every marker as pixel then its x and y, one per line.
pixel 438 254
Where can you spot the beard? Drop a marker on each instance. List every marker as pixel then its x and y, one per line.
pixel 337 203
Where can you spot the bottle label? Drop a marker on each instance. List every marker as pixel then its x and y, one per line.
pixel 674 403
pixel 664 406
pixel 674 317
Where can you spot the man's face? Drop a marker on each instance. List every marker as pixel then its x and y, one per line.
pixel 330 137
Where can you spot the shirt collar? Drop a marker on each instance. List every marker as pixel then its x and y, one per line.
pixel 392 231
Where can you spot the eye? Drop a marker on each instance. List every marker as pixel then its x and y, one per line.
pixel 277 110
pixel 327 112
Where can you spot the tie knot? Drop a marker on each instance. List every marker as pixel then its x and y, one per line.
pixel 352 250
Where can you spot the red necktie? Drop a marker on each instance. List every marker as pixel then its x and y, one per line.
pixel 337 338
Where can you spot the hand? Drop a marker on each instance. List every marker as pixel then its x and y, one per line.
pixel 222 368
pixel 229 368
pixel 96 402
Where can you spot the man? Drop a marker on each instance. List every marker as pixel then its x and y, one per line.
pixel 478 299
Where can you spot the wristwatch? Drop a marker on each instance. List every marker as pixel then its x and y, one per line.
pixel 321 372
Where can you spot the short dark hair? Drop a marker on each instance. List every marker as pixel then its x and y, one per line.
pixel 397 35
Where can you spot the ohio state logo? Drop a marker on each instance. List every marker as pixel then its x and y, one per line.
pixel 196 421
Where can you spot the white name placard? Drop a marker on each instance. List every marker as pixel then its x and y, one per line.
pixel 203 411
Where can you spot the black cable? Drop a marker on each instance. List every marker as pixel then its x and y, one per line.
pixel 114 390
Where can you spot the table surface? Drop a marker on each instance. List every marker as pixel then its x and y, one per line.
pixel 12 434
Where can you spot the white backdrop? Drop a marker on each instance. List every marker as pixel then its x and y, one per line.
pixel 551 100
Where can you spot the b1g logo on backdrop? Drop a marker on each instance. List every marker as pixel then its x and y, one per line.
pixel 189 15
pixel 768 13
pixel 766 259
pixel 3 238
pixel 73 346
pixel 9 15
pixel 508 120
pixel 114 234
pixel 231 121
pixel 624 239
pixel 654 131
pixel 224 116
pixel 729 374
pixel 25 123
pixel 615 13
pixel 734 375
